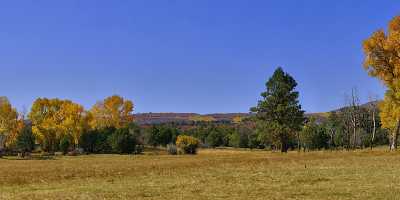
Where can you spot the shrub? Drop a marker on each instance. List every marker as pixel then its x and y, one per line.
pixel 187 144
pixel 121 141
pixel 96 141
pixel 65 144
pixel 239 140
pixel 215 139
pixel 88 140
pixel 161 135
pixel 172 150
pixel 25 141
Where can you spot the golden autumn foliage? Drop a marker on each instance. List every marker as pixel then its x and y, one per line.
pixel 54 118
pixel 382 55
pixel 75 120
pixel 389 113
pixel 114 111
pixel 237 119
pixel 382 60
pixel 205 118
pixel 10 124
pixel 187 144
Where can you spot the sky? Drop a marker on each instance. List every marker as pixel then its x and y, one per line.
pixel 187 55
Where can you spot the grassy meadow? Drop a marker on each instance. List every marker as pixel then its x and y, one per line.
pixel 212 174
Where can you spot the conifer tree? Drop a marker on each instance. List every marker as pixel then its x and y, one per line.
pixel 280 109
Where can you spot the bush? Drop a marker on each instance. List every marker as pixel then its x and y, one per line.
pixel 239 140
pixel 96 141
pixel 65 144
pixel 215 139
pixel 25 141
pixel 187 144
pixel 172 150
pixel 122 142
pixel 161 135
pixel 314 136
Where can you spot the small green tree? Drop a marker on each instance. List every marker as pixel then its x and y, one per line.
pixel 65 144
pixel 122 141
pixel 152 136
pixel 25 140
pixel 254 141
pixel 214 139
pixel 96 141
pixel 314 136
pixel 240 138
pixel 280 109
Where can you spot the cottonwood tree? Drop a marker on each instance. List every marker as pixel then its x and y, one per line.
pixel 75 121
pixel 390 113
pixel 382 60
pixel 113 111
pixel 9 123
pixel 53 119
pixel 280 109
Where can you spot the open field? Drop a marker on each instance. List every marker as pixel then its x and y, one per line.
pixel 213 174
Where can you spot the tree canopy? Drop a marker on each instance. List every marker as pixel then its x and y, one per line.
pixel 113 111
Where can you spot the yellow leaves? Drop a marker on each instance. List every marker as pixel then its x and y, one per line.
pixel 394 25
pixel 114 111
pixel 36 131
pixel 10 124
pixel 187 144
pixel 382 54
pixel 382 60
pixel 205 118
pixel 390 112
pixel 59 117
pixel 237 119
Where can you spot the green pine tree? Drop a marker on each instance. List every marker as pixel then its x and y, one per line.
pixel 280 110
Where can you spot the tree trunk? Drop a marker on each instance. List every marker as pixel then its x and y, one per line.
pixel 354 134
pixel 332 142
pixel 298 142
pixel 393 145
pixel 349 140
pixel 284 145
pixel 373 129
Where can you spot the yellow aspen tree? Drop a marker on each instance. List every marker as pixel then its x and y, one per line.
pixel 53 119
pixel 9 122
pixel 74 120
pixel 382 60
pixel 113 111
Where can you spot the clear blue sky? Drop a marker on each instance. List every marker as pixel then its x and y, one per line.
pixel 186 55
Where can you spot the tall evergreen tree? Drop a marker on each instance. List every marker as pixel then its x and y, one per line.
pixel 280 109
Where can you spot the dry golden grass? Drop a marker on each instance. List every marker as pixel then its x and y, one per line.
pixel 213 174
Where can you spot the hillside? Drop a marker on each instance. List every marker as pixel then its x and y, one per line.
pixel 157 118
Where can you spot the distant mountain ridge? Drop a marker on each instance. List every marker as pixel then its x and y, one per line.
pixel 158 118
